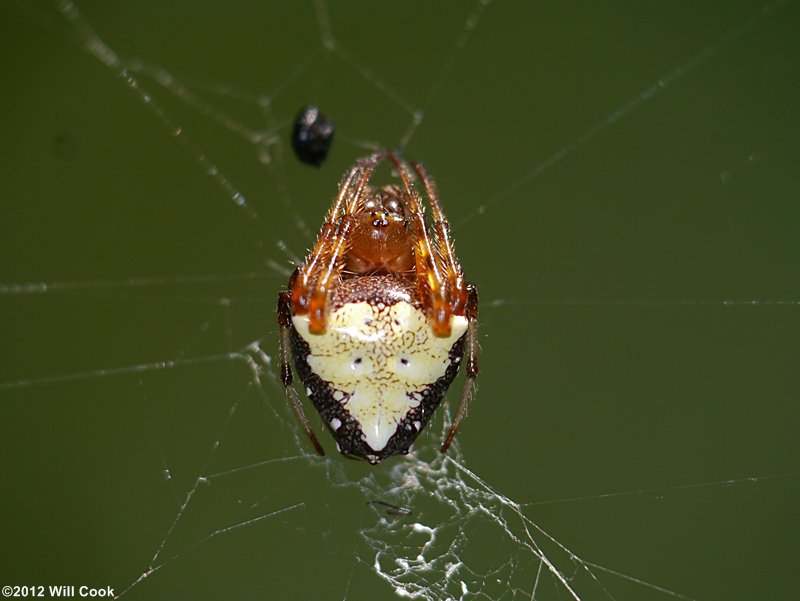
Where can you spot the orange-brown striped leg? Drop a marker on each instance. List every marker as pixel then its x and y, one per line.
pixel 430 278
pixel 454 276
pixel 285 342
pixel 471 353
pixel 305 294
pixel 329 272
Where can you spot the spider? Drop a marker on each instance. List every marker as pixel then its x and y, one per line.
pixel 379 316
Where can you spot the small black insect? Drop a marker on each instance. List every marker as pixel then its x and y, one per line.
pixel 312 136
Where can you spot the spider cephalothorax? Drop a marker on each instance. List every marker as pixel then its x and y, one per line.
pixel 379 316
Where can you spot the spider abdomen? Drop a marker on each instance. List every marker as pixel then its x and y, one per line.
pixel 377 372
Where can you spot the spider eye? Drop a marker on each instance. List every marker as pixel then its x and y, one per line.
pixel 379 219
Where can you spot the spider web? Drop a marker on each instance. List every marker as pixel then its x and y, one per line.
pixel 634 435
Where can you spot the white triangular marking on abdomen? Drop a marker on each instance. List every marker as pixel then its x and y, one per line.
pixel 382 358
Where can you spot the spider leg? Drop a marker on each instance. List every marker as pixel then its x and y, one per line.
pixel 360 172
pixel 457 288
pixel 429 266
pixel 472 364
pixel 310 291
pixel 284 321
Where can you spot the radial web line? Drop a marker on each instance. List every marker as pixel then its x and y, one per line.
pixel 649 93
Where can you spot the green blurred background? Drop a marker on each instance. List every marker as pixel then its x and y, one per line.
pixel 623 178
